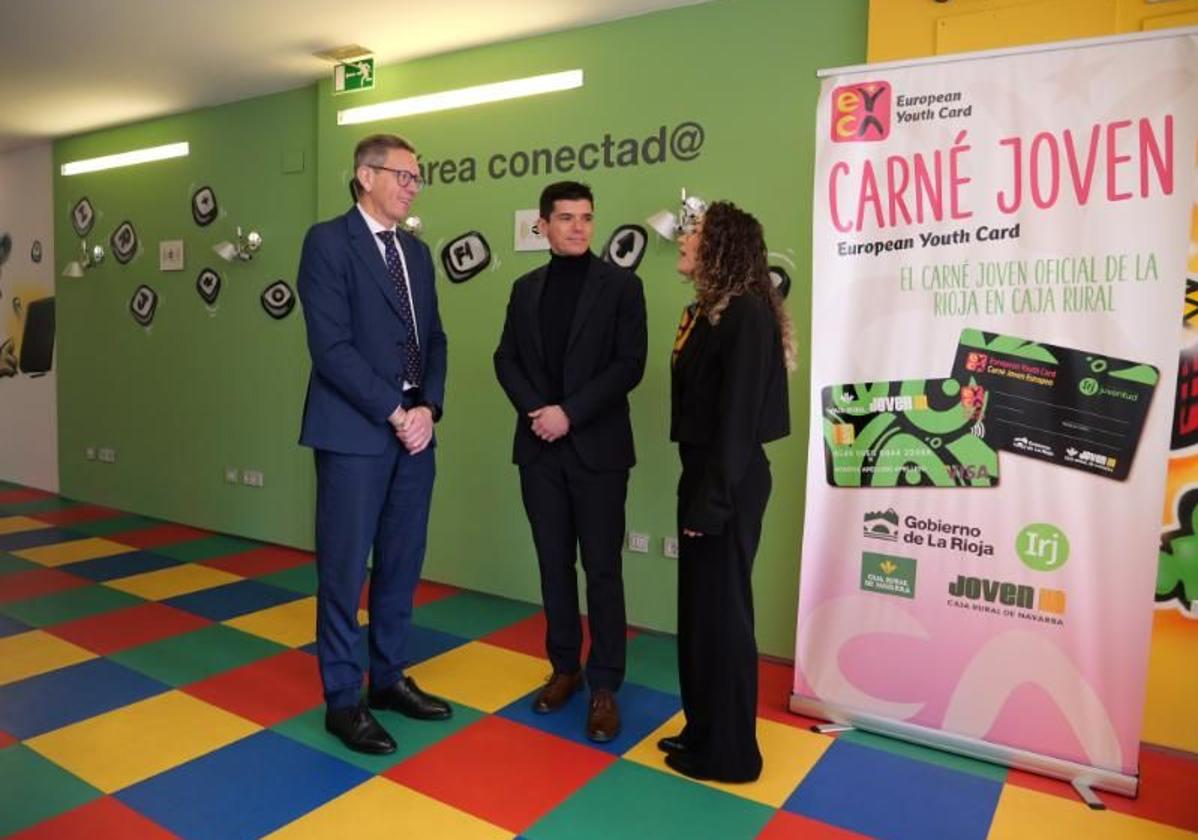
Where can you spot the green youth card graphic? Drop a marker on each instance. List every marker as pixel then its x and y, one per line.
pixel 908 433
pixel 1073 408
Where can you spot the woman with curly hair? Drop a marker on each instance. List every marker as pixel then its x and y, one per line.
pixel 731 356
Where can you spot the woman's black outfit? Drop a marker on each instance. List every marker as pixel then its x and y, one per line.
pixel 728 398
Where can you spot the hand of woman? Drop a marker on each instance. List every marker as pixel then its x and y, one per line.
pixel 687 532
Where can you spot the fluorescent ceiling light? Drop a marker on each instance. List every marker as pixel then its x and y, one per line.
pixel 462 97
pixel 171 150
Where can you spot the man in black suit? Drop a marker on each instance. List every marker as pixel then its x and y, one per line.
pixel 573 347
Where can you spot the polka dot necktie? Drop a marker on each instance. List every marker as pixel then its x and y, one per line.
pixel 411 348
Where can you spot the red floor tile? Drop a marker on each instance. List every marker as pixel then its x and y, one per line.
pixel 34 582
pixel 775 682
pixel 261 561
pixel 6 740
pixel 528 636
pixel 266 691
pixel 17 497
pixel 788 826
pixel 1168 789
pixel 428 591
pixel 106 817
pixel 79 513
pixel 158 535
pixel 129 627
pixel 503 772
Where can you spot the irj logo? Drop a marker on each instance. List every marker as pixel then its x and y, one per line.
pixel 861 112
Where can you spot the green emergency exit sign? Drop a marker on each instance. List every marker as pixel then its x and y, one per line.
pixel 354 75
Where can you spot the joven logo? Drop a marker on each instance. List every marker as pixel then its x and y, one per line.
pixel 861 112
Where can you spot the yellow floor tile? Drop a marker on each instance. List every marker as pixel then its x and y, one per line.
pixel 28 654
pixel 74 551
pixel 787 754
pixel 177 580
pixel 292 624
pixel 17 524
pixel 132 743
pixel 1023 813
pixel 481 675
pixel 384 809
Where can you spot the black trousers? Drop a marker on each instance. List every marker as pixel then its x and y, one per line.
pixel 717 649
pixel 570 508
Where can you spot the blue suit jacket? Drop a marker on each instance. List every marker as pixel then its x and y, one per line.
pixel 355 335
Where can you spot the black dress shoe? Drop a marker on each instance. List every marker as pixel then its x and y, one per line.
pixel 673 745
pixel 358 730
pixel 406 698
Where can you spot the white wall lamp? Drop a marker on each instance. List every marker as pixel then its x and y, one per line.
pixel 243 249
pixel 669 223
pixel 462 97
pixel 88 258
pixel 131 158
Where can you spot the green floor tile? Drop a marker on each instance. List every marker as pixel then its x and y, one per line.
pixel 412 736
pixel 114 525
pixel 926 754
pixel 472 615
pixel 10 563
pixel 300 579
pixel 653 662
pixel 34 789
pixel 69 605
pixel 37 506
pixel 190 657
pixel 205 548
pixel 629 800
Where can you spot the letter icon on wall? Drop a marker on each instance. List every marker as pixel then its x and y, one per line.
pixel 208 285
pixel 465 256
pixel 124 242
pixel 278 300
pixel 143 305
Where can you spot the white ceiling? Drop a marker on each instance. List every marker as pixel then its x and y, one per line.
pixel 70 66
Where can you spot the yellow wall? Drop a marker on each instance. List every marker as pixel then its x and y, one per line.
pixel 916 28
pixel 900 29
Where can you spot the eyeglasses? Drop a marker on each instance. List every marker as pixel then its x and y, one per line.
pixel 403 176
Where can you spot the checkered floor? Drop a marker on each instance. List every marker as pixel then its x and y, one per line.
pixel 158 680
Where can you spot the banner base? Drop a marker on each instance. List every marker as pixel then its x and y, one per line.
pixel 1083 777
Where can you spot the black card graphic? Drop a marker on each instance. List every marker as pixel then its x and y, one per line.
pixel 1069 407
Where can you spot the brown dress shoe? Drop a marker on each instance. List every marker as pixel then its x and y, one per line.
pixel 556 692
pixel 603 720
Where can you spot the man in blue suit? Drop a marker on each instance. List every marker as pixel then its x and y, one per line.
pixel 376 388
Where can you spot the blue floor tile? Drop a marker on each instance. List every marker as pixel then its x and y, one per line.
pixel 34 539
pixel 49 701
pixel 424 643
pixel 10 626
pixel 641 711
pixel 894 797
pixel 247 789
pixel 224 602
pixel 120 565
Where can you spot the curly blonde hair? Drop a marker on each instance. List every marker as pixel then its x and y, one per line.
pixel 732 261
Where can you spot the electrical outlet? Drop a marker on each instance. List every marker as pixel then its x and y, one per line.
pixel 669 546
pixel 90 453
pixel 252 478
pixel 107 454
pixel 232 475
pixel 638 542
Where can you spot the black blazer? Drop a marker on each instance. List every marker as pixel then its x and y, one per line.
pixel 605 359
pixel 728 396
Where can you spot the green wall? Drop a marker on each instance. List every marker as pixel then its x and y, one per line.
pixel 196 391
pixel 199 392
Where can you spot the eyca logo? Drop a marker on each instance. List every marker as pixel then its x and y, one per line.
pixel 861 112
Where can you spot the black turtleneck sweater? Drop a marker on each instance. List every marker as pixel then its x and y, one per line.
pixel 563 286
